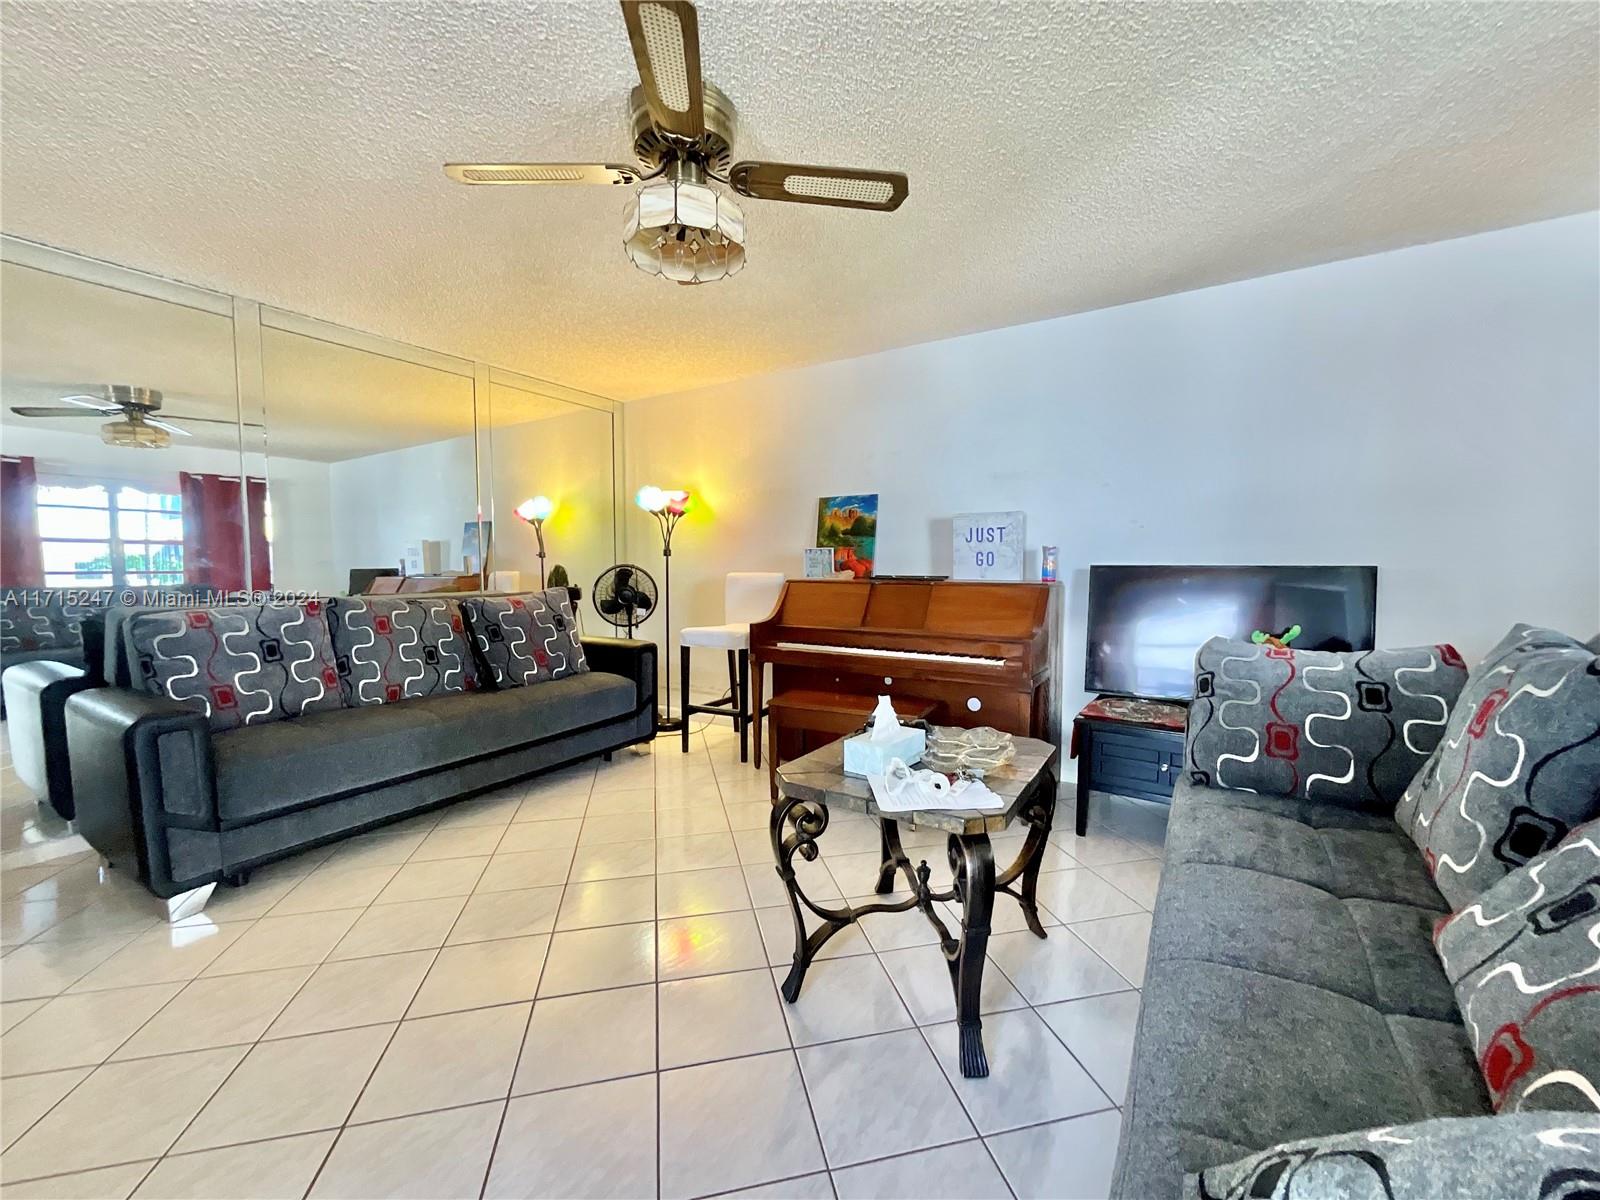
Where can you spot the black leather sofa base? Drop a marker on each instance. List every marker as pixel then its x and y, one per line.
pixel 145 769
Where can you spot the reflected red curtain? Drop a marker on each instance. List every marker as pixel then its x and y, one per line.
pixel 21 562
pixel 213 532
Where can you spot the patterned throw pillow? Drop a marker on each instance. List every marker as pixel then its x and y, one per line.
pixel 1348 728
pixel 525 639
pixel 1539 1156
pixel 1518 767
pixel 40 619
pixel 1524 959
pixel 388 649
pixel 242 665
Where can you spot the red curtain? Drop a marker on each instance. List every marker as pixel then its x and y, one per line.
pixel 21 563
pixel 213 532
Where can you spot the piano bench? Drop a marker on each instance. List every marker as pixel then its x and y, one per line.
pixel 799 721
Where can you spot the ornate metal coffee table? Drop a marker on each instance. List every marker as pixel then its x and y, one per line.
pixel 808 786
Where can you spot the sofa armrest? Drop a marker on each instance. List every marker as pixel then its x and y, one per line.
pixel 140 765
pixel 36 700
pixel 628 657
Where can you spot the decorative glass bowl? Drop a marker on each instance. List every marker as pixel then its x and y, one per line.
pixel 972 752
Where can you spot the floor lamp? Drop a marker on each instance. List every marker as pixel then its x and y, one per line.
pixel 536 511
pixel 667 507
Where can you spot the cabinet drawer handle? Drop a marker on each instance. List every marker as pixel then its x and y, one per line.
pixel 1166 766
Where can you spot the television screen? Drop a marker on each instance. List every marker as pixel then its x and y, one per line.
pixel 1145 623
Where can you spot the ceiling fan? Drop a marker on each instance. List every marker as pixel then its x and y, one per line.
pixel 134 407
pixel 683 128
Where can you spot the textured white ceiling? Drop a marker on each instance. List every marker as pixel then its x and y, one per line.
pixel 1062 157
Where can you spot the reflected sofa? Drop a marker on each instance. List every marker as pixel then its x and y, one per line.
pixel 39 625
pixel 170 791
pixel 52 645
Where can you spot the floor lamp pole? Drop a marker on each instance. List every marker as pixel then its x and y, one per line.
pixel 668 521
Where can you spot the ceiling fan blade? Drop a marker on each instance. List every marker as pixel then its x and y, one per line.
pixel 33 410
pixel 228 421
pixel 844 187
pixel 168 426
pixel 525 173
pixel 666 45
pixel 98 403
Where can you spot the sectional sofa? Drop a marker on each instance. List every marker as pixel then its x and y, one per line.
pixel 1374 967
pixel 231 736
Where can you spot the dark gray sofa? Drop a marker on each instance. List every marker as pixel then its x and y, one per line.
pixel 161 793
pixel 1292 989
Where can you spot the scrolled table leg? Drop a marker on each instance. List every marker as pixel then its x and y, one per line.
pixel 808 819
pixel 1039 814
pixel 972 862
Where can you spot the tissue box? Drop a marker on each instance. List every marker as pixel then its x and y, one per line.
pixel 863 756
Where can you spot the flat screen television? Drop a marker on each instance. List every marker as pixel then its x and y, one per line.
pixel 1146 622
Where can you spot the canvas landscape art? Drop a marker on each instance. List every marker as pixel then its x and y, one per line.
pixel 848 525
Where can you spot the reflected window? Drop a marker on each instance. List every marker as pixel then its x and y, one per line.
pixel 97 534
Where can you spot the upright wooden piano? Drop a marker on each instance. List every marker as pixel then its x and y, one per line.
pixel 977 653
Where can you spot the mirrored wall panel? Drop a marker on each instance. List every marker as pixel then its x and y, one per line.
pixel 157 434
pixel 371 464
pixel 119 438
pixel 552 483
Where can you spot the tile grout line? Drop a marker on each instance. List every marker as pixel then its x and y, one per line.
pixel 511 1085
pixel 310 975
pixel 279 1137
pixel 718 782
pixel 788 1030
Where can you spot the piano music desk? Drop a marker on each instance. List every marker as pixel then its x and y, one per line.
pixel 814 782
pixel 800 721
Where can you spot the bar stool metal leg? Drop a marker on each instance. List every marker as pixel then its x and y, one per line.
pixel 683 660
pixel 742 698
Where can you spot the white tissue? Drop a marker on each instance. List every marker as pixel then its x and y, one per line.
pixel 885 725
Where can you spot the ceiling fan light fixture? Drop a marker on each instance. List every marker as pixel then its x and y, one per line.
pixel 134 435
pixel 684 230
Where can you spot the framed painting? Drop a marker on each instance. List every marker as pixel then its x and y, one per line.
pixel 848 525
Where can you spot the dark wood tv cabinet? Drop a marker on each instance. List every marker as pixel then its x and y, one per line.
pixel 1129 748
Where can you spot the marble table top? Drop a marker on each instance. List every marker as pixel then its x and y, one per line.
pixel 819 776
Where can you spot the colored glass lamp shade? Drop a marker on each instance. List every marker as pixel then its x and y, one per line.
pixel 667 506
pixel 536 510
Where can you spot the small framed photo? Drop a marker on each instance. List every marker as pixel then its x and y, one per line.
pixel 819 562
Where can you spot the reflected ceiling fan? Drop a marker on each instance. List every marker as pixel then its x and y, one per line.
pixel 681 227
pixel 134 408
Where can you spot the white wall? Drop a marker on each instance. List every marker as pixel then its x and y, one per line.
pixel 383 502
pixel 1435 411
pixel 567 458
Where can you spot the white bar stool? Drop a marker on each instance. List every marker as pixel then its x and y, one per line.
pixel 747 596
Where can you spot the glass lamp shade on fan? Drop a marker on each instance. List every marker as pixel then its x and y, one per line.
pixel 667 506
pixel 684 229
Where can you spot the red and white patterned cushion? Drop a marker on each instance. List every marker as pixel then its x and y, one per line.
pixel 390 648
pixel 240 665
pixel 529 638
pixel 1524 959
pixel 1519 764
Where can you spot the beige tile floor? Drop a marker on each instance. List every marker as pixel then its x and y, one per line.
pixel 566 988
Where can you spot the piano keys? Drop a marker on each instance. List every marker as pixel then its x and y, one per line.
pixel 978 653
